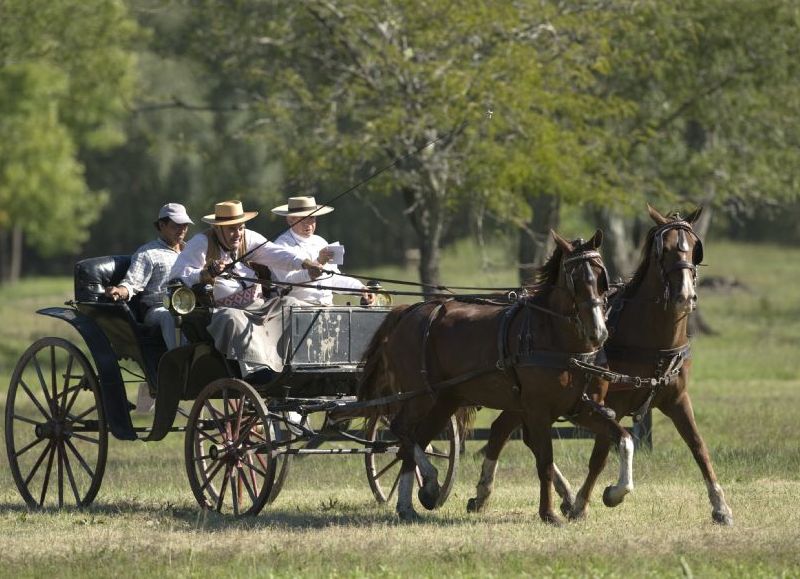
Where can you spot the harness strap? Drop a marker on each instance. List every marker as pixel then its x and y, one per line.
pixel 424 362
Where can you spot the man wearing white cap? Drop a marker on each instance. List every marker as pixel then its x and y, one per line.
pixel 245 326
pixel 150 268
pixel 301 214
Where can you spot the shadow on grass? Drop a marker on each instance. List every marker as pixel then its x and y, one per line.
pixel 191 519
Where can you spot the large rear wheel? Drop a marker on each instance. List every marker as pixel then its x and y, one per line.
pixel 383 468
pixel 56 434
pixel 227 450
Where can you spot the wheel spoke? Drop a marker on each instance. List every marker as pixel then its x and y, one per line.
pixel 254 468
pixel 380 473
pixel 418 475
pixel 209 476
pixel 42 382
pixel 38 463
pixel 25 419
pixel 35 400
pixel 53 382
pixel 252 489
pixel 394 486
pixel 222 489
pixel 77 454
pixel 28 447
pixel 47 474
pixel 79 417
pixel 84 438
pixel 60 471
pixel 215 416
pixel 72 483
pixel 437 453
pixel 76 390
pixel 66 383
pixel 235 490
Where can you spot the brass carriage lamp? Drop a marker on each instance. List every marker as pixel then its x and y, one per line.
pixel 180 300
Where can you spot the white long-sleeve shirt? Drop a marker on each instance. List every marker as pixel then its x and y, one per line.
pixel 192 261
pixel 309 248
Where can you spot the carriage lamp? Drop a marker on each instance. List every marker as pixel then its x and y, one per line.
pixel 180 300
pixel 381 299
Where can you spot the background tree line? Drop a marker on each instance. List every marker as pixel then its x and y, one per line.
pixel 109 109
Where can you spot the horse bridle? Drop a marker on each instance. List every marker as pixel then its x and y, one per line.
pixel 584 258
pixel 684 228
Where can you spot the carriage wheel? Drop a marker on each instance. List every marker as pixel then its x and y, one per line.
pixel 283 461
pixel 56 433
pixel 228 437
pixel 383 469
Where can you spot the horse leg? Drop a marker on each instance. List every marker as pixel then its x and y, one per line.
pixel 536 435
pixel 597 462
pixel 682 416
pixel 499 434
pixel 405 508
pixel 434 422
pixel 602 422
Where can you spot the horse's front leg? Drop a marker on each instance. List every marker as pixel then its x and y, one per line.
pixel 405 508
pixel 536 435
pixel 682 415
pixel 499 434
pixel 602 422
pixel 597 462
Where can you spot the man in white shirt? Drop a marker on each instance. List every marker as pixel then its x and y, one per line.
pixel 301 214
pixel 245 326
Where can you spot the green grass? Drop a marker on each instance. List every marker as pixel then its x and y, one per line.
pixel 746 393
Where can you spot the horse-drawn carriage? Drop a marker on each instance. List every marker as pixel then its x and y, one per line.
pixel 62 403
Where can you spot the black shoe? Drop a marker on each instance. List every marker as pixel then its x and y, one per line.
pixel 263 376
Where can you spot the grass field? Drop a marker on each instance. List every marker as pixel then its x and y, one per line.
pixel 746 390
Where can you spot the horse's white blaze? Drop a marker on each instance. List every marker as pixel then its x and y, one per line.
pixel 404 492
pixel 625 483
pixel 599 324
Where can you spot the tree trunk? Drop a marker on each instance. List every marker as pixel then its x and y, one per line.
pixel 15 266
pixel 619 248
pixel 428 225
pixel 535 241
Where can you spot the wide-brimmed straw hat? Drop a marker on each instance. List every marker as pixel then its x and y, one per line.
pixel 229 213
pixel 302 207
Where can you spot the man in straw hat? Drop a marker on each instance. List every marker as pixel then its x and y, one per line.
pixel 245 326
pixel 301 214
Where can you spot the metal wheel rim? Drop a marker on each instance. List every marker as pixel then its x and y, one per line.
pixel 56 433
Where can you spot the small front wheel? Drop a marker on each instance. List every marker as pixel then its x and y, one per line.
pixel 56 434
pixel 383 467
pixel 228 449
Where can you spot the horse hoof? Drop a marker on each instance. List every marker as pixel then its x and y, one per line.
pixel 473 506
pixel 428 495
pixel 566 508
pixel 610 501
pixel 576 515
pixel 552 519
pixel 725 519
pixel 409 516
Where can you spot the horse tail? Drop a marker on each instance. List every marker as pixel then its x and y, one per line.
pixel 465 418
pixel 376 379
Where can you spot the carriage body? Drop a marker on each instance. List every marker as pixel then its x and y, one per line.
pixel 63 438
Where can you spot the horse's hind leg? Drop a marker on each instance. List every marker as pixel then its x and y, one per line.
pixel 405 508
pixel 499 434
pixel 682 416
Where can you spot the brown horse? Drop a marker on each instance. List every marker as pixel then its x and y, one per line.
pixel 458 353
pixel 648 322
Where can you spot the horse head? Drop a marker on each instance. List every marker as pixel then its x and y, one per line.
pixel 585 281
pixel 677 251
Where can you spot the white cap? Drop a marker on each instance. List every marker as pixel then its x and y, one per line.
pixel 176 213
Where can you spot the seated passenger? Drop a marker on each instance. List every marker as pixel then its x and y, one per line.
pixel 245 326
pixel 301 214
pixel 150 270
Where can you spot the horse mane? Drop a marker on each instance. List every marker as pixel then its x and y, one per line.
pixel 644 262
pixel 374 381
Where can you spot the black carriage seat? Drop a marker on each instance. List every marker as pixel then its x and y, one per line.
pixel 120 321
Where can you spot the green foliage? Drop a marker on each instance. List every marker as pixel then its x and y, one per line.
pixel 65 79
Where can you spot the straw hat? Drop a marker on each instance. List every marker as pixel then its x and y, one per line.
pixel 302 207
pixel 229 213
